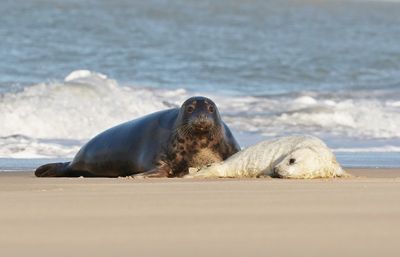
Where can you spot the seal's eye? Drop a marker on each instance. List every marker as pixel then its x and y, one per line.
pixel 190 109
pixel 292 161
pixel 211 108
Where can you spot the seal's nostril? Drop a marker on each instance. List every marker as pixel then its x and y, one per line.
pixel 275 173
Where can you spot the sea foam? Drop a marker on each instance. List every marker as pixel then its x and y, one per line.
pixel 78 108
pixel 54 119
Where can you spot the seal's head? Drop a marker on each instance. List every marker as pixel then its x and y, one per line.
pixel 199 115
pixel 308 163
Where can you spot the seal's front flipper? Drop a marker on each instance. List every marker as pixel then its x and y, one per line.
pixel 154 173
pixel 52 170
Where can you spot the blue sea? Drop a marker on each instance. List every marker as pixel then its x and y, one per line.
pixel 70 69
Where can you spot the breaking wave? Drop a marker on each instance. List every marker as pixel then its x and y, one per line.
pixel 55 119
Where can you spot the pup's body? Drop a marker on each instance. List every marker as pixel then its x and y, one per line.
pixel 286 157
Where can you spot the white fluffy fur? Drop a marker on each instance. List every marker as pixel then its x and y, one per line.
pixel 313 159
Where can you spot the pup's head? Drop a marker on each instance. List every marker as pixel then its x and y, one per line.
pixel 308 163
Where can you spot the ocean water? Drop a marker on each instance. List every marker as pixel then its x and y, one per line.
pixel 73 68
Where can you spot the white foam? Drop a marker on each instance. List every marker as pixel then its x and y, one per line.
pixel 393 103
pixel 359 118
pixel 77 109
pixel 18 146
pixel 87 103
pixel 83 74
pixel 306 100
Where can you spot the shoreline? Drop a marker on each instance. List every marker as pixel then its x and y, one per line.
pixel 374 172
pixel 370 160
pixel 369 172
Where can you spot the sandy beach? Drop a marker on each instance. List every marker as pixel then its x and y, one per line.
pixel 358 216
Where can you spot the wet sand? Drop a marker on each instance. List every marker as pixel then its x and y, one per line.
pixel 357 216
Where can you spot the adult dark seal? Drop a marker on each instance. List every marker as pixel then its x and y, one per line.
pixel 161 144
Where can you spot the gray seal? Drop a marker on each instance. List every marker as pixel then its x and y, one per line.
pixel 161 144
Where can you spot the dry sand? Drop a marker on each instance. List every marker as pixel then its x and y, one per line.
pixel 179 217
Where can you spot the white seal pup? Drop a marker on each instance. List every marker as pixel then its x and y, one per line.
pixel 285 157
